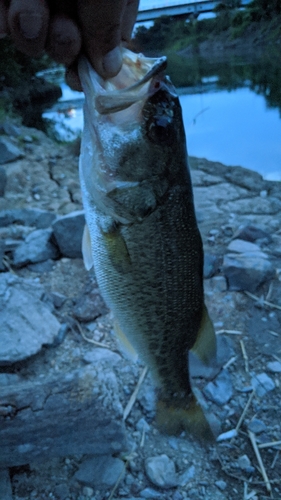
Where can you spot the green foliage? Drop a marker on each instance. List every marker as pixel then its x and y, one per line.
pixel 16 67
pixel 264 9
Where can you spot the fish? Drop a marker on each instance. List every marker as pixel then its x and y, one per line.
pixel 141 233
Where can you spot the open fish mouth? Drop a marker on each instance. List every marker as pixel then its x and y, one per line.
pixel 135 81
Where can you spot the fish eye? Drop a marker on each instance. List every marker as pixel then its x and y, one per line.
pixel 161 130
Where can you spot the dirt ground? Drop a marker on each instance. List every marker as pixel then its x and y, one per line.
pixel 47 178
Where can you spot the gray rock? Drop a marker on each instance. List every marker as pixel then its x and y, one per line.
pixel 242 246
pixel 8 151
pixel 2 254
pixel 262 384
pixel 37 247
pixel 161 471
pixel 58 299
pixel 61 491
pixel 252 233
pixel 26 322
pixel 220 390
pixel 41 219
pixel 68 231
pixel 221 485
pixel 101 355
pixel 186 476
pixel 3 181
pixel 9 128
pixel 257 426
pixel 5 485
pixel 100 471
pixel 42 267
pixel 211 265
pixel 274 366
pixel 146 397
pixel 245 464
pixel 247 271
pixel 257 206
pixel 142 425
pixel 9 379
pixel 90 304
pixel 151 493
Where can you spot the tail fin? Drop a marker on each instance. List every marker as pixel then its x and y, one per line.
pixel 176 416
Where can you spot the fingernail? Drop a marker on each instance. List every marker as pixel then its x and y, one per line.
pixel 112 62
pixel 30 24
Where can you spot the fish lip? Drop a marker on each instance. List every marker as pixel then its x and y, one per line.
pixel 117 100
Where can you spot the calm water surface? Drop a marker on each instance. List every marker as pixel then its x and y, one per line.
pixel 234 127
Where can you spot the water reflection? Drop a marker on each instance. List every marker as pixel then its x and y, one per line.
pixel 231 111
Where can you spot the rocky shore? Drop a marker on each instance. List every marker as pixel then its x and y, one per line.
pixel 66 431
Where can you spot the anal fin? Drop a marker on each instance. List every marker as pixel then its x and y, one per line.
pixel 125 345
pixel 205 347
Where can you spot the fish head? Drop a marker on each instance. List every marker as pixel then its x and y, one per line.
pixel 133 141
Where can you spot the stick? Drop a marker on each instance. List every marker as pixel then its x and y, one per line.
pixel 265 302
pixel 231 332
pixel 133 397
pixel 245 356
pixel 91 341
pixel 244 411
pixel 229 362
pixel 270 445
pixel 275 459
pixel 118 481
pixel 257 453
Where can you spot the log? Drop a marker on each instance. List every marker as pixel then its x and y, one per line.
pixel 73 413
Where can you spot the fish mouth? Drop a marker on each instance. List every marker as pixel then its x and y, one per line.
pixel 132 84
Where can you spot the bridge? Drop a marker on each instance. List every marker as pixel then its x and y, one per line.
pixel 178 9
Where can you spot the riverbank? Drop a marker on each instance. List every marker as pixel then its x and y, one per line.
pixel 41 225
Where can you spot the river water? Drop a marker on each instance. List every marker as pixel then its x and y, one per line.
pixel 231 112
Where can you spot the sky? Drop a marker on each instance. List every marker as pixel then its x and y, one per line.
pixel 151 4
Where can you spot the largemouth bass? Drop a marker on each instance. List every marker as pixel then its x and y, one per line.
pixel 142 237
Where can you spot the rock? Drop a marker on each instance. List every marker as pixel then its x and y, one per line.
pixel 257 426
pixel 37 247
pixel 42 267
pixel 151 493
pixel 100 471
pixel 41 219
pixel 8 151
pixel 58 299
pixel 220 390
pixel 5 485
pixel 247 271
pixel 252 233
pixel 90 303
pixel 227 435
pixel 242 246
pixel 225 350
pixel 245 464
pixel 2 254
pixel 211 265
pixel 101 355
pixel 87 491
pixel 274 366
pixel 26 322
pixel 186 476
pixel 146 398
pixel 161 471
pixel 10 129
pixel 3 181
pixel 68 231
pixel 9 379
pixel 257 206
pixel 221 485
pixel 61 491
pixel 262 384
pixel 142 425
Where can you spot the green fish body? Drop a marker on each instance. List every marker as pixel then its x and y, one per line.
pixel 145 244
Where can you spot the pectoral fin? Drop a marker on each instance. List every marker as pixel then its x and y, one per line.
pixel 125 344
pixel 205 347
pixel 87 249
pixel 117 249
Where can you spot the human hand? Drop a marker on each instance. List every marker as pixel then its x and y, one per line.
pixel 64 28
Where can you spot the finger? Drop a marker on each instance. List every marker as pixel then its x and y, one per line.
pixel 129 19
pixel 64 39
pixel 72 79
pixel 3 20
pixel 28 21
pixel 100 24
